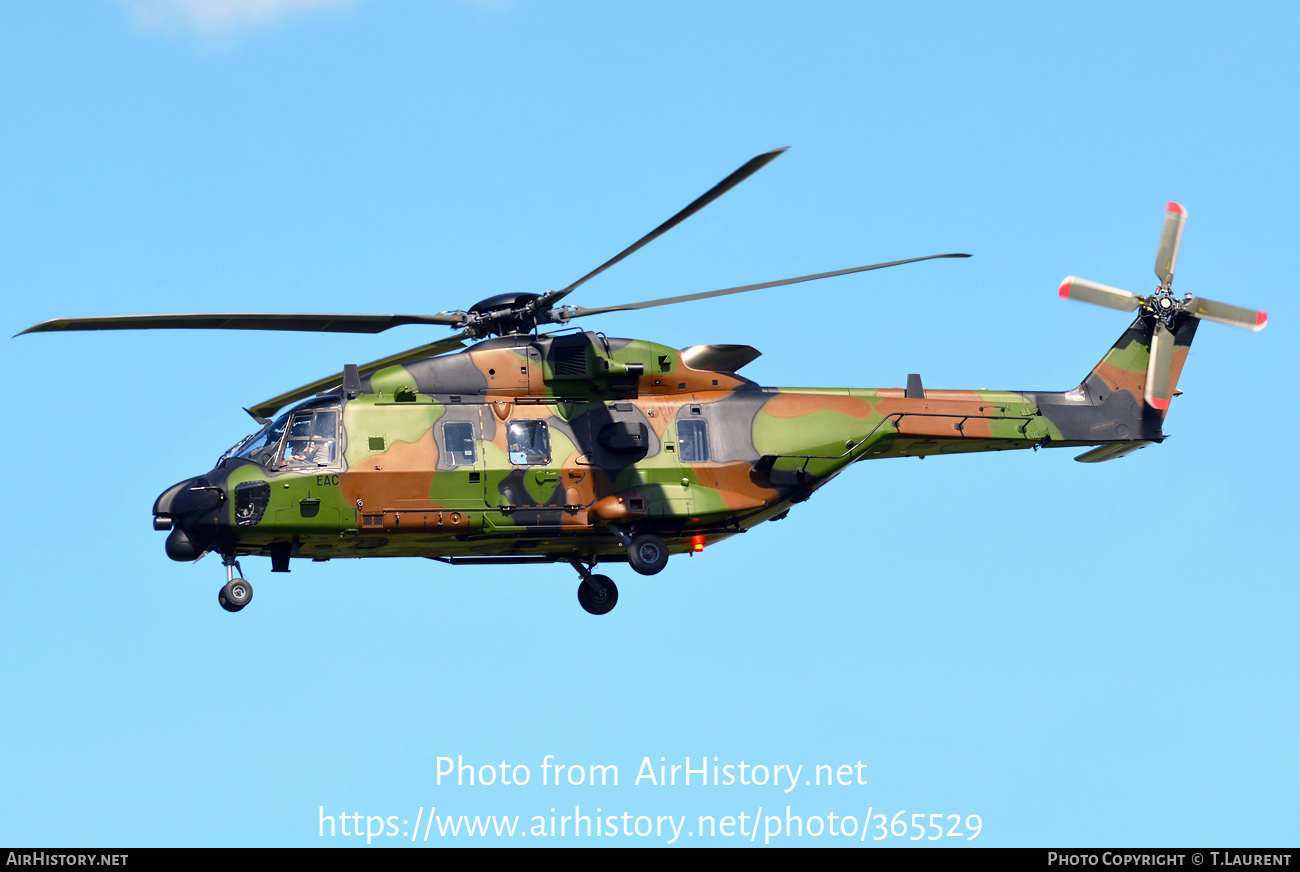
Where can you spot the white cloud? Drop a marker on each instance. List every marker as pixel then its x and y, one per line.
pixel 214 18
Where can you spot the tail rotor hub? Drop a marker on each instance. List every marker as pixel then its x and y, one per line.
pixel 1164 305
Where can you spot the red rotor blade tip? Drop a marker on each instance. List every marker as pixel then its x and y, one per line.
pixel 1175 207
pixel 1261 320
pixel 1065 289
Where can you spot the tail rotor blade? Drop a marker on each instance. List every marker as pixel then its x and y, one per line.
pixel 1170 237
pixel 1102 295
pixel 1159 368
pixel 1236 316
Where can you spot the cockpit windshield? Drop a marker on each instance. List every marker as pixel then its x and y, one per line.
pixel 307 436
pixel 261 446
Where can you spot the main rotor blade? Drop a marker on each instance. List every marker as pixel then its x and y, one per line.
pixel 1210 310
pixel 243 321
pixel 1074 288
pixel 265 408
pixel 1170 237
pixel 579 311
pixel 1159 368
pixel 552 297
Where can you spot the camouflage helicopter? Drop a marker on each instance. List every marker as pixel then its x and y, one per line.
pixel 532 447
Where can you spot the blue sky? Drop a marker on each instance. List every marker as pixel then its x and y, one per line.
pixel 1080 655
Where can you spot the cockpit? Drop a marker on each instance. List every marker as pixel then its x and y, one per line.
pixel 303 438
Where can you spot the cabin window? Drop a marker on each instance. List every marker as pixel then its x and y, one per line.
pixel 529 442
pixel 313 439
pixel 693 437
pixel 458 436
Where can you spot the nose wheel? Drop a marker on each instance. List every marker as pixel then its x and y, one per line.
pixel 597 594
pixel 237 592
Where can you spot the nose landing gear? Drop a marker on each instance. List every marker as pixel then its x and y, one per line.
pixel 237 592
pixel 596 593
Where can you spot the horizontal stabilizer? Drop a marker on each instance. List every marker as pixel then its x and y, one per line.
pixel 1110 452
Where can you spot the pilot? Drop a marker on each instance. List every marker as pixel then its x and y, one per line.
pixel 313 452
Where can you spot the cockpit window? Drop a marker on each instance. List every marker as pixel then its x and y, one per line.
pixel 313 439
pixel 261 447
pixel 529 442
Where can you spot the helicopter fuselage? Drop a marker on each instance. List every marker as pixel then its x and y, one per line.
pixel 558 447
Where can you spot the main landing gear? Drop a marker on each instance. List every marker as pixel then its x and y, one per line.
pixel 648 554
pixel 597 593
pixel 237 592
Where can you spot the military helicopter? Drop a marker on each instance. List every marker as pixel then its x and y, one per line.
pixel 570 447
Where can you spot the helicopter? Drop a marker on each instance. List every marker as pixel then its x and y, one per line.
pixel 571 447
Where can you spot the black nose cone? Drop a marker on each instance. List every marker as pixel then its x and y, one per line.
pixel 194 495
pixel 191 510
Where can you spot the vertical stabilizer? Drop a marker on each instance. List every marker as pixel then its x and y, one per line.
pixel 1110 405
pixel 1126 366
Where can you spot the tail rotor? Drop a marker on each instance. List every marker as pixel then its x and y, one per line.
pixel 1163 308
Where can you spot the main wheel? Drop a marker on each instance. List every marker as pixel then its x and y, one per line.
pixel 648 554
pixel 598 603
pixel 235 595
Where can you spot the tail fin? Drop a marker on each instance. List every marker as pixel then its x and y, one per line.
pixel 1125 366
pixel 1109 405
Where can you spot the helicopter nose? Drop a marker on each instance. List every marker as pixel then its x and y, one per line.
pixel 190 510
pixel 187 497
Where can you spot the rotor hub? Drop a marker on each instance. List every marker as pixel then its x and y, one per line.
pixel 1164 305
pixel 504 315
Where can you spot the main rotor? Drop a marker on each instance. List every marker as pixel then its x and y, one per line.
pixel 508 314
